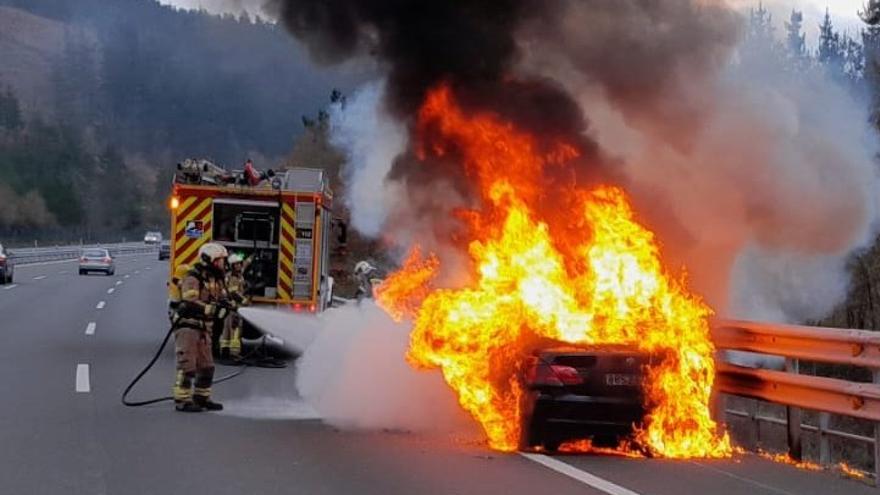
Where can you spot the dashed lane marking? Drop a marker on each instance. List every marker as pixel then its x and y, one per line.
pixel 110 290
pixel 119 282
pixel 82 379
pixel 101 305
pixel 126 276
pixel 90 328
pixel 584 477
pixel 136 272
pixel 63 272
pixel 10 287
pixel 41 277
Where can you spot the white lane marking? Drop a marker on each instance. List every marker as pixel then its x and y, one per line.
pixel 148 268
pixel 100 305
pixel 137 272
pixel 63 272
pixel 9 287
pixel 82 378
pixel 90 328
pixel 110 290
pixel 584 477
pixel 126 276
pixel 119 282
pixel 41 277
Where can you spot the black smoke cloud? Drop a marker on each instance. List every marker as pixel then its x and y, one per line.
pixel 471 46
pixel 641 52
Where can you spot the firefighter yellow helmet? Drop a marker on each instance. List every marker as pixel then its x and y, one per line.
pixel 212 251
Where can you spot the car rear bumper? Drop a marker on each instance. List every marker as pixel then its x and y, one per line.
pixel 98 267
pixel 569 417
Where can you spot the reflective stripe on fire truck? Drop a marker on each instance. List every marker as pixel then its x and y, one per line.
pixel 193 209
pixel 285 257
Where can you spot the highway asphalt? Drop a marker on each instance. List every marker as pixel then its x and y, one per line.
pixel 65 358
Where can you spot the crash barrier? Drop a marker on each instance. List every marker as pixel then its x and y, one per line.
pixel 857 348
pixel 25 256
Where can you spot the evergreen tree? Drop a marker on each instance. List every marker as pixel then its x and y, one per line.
pixel 795 39
pixel 831 53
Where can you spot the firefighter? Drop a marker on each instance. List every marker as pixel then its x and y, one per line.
pixel 202 303
pixel 363 271
pixel 236 288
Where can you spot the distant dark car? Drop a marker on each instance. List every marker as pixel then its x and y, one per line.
pixel 7 266
pixel 574 393
pixel 164 251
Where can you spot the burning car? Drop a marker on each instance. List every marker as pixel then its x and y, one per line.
pixel 580 392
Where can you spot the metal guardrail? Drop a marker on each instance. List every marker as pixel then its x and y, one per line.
pixel 858 348
pixel 26 256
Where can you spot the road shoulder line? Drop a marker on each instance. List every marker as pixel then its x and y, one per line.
pixel 575 473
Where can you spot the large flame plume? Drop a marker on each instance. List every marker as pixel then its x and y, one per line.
pixel 591 274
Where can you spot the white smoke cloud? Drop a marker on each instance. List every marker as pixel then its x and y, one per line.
pixel 775 190
pixel 371 140
pixel 355 375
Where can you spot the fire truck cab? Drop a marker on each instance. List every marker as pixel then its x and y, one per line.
pixel 283 224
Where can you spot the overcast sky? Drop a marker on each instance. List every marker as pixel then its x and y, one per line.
pixel 844 12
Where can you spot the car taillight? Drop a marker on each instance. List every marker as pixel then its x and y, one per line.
pixel 2 259
pixel 83 259
pixel 107 260
pixel 556 375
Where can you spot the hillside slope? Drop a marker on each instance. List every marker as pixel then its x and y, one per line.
pixel 28 46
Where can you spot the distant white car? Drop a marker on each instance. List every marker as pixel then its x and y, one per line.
pixel 96 260
pixel 152 238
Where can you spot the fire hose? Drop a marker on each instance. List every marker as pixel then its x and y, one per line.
pixel 244 361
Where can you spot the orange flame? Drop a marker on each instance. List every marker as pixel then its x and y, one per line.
pixel 404 290
pixel 535 277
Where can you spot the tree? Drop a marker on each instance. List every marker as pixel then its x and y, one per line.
pixel 761 50
pixel 795 39
pixel 853 60
pixel 831 51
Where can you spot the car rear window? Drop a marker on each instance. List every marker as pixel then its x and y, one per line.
pixel 95 253
pixel 576 361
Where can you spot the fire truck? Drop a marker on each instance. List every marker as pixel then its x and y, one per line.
pixel 282 221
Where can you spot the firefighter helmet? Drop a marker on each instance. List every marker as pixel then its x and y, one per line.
pixel 212 251
pixel 363 268
pixel 235 258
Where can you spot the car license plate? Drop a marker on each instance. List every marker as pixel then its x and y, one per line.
pixel 622 380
